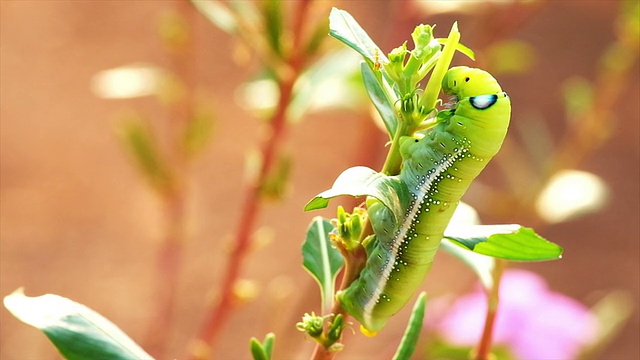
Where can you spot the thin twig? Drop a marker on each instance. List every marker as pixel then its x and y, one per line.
pixel 354 263
pixel 220 310
pixel 169 260
pixel 483 351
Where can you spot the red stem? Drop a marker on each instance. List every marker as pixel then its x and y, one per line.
pixel 483 351
pixel 219 312
pixel 355 261
pixel 174 197
pixel 169 263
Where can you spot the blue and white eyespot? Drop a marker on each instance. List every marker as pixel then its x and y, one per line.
pixel 483 102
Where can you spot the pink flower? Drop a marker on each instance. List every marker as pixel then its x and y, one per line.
pixel 532 321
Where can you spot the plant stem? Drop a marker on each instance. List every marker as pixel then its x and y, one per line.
pixel 483 351
pixel 169 263
pixel 354 263
pixel 220 310
pixel 169 258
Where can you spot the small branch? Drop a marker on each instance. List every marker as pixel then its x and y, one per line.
pixel 169 263
pixel 219 312
pixel 483 352
pixel 169 258
pixel 355 261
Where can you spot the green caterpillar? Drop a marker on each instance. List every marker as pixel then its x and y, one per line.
pixel 437 170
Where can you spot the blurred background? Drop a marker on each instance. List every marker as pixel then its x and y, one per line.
pixel 79 219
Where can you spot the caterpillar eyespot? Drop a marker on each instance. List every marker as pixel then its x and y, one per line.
pixel 436 170
pixel 482 102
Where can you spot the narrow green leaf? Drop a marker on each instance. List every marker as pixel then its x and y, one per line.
pixel 363 181
pixel 509 242
pixel 257 351
pixel 197 132
pixel 78 332
pixel 380 100
pixel 318 36
pixel 432 90
pixel 272 12
pixel 461 48
pixel 267 344
pixel 336 326
pixel 320 259
pixel 142 145
pixel 345 28
pixel 412 332
pixel 276 183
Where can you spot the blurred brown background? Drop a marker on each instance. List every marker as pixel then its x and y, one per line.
pixel 78 220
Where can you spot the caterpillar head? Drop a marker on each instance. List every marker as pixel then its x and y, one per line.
pixel 463 82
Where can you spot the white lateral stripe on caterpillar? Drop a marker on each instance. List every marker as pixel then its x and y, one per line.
pixel 412 212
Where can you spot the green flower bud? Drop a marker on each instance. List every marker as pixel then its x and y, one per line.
pixel 425 43
pixel 348 227
pixel 311 324
pixel 395 66
pixel 335 329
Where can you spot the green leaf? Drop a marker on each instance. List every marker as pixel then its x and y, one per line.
pixel 317 37
pixel 197 132
pixel 461 48
pixel 320 259
pixel 345 28
pixel 257 351
pixel 432 90
pixel 336 326
pixel 268 342
pixel 78 332
pixel 262 351
pixel 363 181
pixel 272 10
pixel 276 183
pixel 380 100
pixel 578 96
pixel 509 242
pixel 412 332
pixel 141 143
